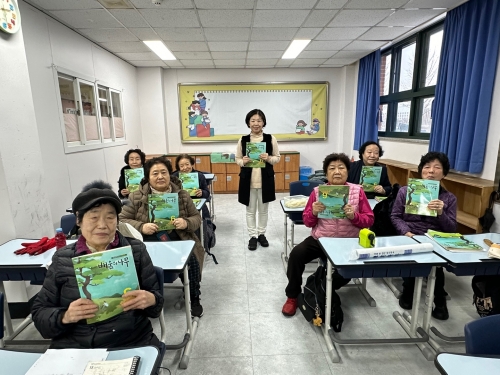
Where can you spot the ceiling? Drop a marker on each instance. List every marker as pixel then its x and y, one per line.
pixel 244 33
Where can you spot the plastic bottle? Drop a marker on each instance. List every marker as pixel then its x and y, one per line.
pixel 60 238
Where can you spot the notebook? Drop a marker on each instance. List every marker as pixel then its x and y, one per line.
pixel 127 366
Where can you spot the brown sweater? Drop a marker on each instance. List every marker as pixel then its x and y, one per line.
pixel 136 214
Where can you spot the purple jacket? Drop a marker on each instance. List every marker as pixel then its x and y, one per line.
pixel 418 224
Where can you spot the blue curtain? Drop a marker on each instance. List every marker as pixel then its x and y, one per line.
pixel 464 88
pixel 368 100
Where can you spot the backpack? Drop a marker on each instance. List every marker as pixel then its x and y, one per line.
pixel 312 302
pixel 382 226
pixel 486 297
pixel 209 236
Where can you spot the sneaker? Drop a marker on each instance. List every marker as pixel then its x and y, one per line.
pixel 252 244
pixel 196 308
pixel 440 312
pixel 405 303
pixel 263 240
pixel 289 307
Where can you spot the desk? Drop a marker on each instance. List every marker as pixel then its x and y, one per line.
pixel 176 261
pixel 337 251
pixel 463 364
pixel 463 264
pixel 18 363
pixel 210 177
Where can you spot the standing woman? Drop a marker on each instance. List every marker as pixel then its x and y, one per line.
pixel 256 187
pixel 369 153
pixel 134 159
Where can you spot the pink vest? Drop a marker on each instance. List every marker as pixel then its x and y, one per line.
pixel 339 227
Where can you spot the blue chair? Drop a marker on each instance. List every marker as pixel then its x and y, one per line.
pixel 67 223
pixel 482 336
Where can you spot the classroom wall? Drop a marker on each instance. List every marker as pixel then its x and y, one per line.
pixel 48 43
pixel 341 110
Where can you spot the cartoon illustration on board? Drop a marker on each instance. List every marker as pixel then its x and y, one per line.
pixel 301 127
pixel 314 128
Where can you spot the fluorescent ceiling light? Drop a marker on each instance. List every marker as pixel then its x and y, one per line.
pixel 295 48
pixel 160 49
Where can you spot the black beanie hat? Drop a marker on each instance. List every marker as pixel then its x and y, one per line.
pixel 95 192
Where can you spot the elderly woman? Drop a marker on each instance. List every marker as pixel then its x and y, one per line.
pixel 433 166
pixel 133 159
pixel 59 312
pixel 369 153
pixel 185 164
pixel 358 215
pixel 158 179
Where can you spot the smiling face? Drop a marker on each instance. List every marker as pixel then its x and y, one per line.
pixel 159 178
pixel 433 170
pixel 98 226
pixel 185 166
pixel 371 155
pixel 134 160
pixel 336 173
pixel 256 124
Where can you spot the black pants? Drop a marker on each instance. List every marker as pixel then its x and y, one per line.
pixel 439 292
pixel 303 253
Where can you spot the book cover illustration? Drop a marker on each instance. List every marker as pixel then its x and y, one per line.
pixel 370 177
pixel 104 277
pixel 334 198
pixel 163 210
pixel 454 242
pixel 190 182
pixel 253 151
pixel 379 198
pixel 133 178
pixel 419 194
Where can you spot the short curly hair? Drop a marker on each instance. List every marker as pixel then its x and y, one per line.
pixel 336 157
pixel 431 156
pixel 184 156
pixel 152 162
pixel 363 147
pixel 137 151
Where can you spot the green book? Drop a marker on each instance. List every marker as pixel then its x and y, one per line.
pixel 454 242
pixel 334 197
pixel 163 209
pixel 418 196
pixel 253 151
pixel 104 277
pixel 370 177
pixel 190 182
pixel 133 178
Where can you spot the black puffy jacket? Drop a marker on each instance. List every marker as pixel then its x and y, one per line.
pixel 131 328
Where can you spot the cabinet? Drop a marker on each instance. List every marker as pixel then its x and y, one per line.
pixel 472 193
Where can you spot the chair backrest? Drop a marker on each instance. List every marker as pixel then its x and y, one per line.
pixel 304 187
pixel 67 223
pixel 160 276
pixel 1 315
pixel 482 336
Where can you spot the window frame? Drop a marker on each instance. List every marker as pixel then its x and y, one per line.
pixel 418 90
pixel 84 144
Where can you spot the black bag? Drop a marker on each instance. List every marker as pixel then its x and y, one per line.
pixel 486 297
pixel 209 237
pixel 382 226
pixel 312 302
pixel 488 218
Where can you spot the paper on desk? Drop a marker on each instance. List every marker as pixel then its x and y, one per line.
pixel 66 361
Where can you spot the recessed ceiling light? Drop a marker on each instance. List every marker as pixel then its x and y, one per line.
pixel 160 49
pixel 295 48
pixel 116 4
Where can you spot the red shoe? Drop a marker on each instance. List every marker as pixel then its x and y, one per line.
pixel 289 307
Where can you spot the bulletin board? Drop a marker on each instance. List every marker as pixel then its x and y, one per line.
pixel 216 112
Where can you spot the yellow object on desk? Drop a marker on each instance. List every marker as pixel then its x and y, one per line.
pixel 366 238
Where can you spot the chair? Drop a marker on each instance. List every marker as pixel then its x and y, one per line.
pixel 482 336
pixel 1 320
pixel 67 223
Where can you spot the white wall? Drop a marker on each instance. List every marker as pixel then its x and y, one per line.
pixel 49 43
pixel 342 91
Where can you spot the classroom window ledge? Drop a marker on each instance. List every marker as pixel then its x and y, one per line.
pixel 404 140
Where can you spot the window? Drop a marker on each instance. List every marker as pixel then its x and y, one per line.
pixel 91 114
pixel 408 76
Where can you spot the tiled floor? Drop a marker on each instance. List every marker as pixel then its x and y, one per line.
pixel 244 332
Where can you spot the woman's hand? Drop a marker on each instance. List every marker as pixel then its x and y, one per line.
pixel 436 204
pixel 246 160
pixel 318 207
pixel 409 234
pixel 124 192
pixel 149 228
pixel 349 211
pixel 379 189
pixel 80 309
pixel 264 156
pixel 138 300
pixel 180 223
pixel 198 193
